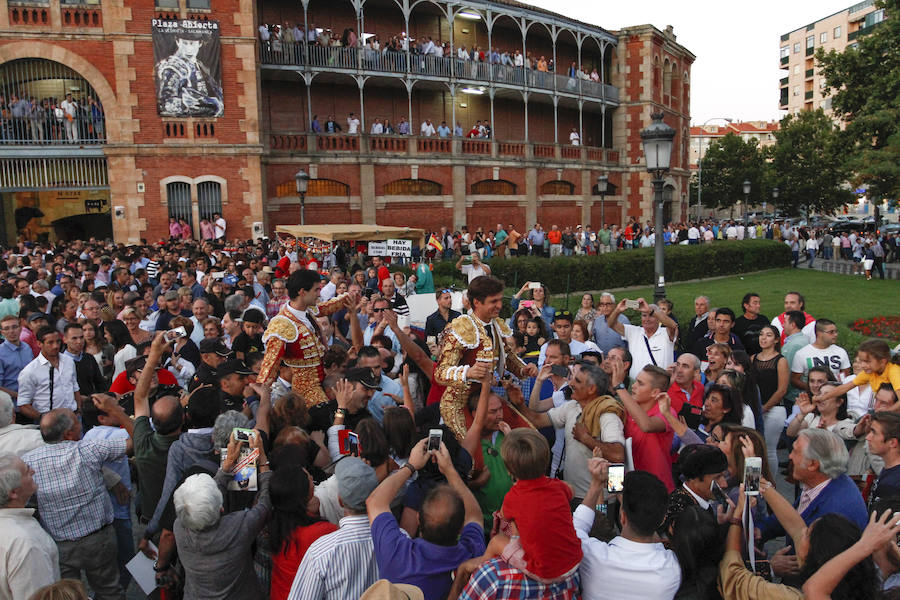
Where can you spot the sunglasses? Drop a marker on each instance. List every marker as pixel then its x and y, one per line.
pixel 379 309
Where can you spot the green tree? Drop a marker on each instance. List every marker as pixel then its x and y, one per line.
pixel 808 165
pixel 865 87
pixel 727 163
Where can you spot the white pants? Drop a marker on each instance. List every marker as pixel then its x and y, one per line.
pixel 773 424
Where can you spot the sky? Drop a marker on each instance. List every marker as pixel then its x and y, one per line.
pixel 736 72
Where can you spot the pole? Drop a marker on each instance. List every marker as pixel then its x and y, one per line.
pixel 699 176
pixel 659 291
pixel 303 208
pixel 602 208
pixel 746 201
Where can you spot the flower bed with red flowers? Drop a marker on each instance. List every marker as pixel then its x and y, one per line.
pixel 886 327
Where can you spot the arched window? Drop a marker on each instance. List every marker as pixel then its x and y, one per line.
pixel 178 199
pixel 209 196
pixel 326 187
pixel 558 188
pixel 494 187
pixel 667 78
pixel 50 83
pixel 412 187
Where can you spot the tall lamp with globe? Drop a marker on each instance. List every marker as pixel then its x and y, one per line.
pixel 657 140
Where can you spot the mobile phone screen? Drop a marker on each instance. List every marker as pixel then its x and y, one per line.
pixel 616 482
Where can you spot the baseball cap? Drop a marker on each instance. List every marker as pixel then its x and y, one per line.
pixel 35 316
pixel 171 295
pixel 234 367
pixel 213 345
pixel 253 315
pixel 364 376
pixel 356 480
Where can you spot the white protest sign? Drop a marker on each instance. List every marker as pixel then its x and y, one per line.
pixel 377 249
pixel 399 247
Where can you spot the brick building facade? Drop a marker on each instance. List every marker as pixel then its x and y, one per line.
pixel 145 168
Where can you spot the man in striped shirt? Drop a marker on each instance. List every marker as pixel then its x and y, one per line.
pixel 341 565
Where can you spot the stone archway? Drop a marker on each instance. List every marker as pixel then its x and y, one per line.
pixel 42 50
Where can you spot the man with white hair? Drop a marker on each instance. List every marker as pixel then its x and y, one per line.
pixel 605 338
pixel 216 550
pixel 72 499
pixel 651 343
pixel 40 288
pixel 16 439
pixel 819 458
pixel 28 555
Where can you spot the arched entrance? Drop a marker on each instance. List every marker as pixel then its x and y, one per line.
pixel 52 166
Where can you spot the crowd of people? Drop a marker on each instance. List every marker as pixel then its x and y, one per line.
pixel 285 38
pixel 869 250
pixel 25 118
pixel 379 126
pixel 258 430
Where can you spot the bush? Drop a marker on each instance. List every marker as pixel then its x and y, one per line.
pixel 635 267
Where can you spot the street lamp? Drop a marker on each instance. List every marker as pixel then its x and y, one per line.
pixel 775 192
pixel 700 161
pixel 747 185
pixel 602 187
pixel 657 140
pixel 302 180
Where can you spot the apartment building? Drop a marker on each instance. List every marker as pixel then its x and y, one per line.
pixel 803 87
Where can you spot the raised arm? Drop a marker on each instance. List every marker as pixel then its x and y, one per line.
pixel 445 464
pixel 786 514
pixel 356 332
pixel 412 349
pixel 537 419
pixel 379 501
pixel 647 423
pixel 612 321
pixel 664 319
pixel 534 402
pixel 472 441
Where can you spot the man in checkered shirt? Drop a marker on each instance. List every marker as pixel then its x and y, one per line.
pixel 73 502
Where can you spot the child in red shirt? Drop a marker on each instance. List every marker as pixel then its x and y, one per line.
pixel 546 547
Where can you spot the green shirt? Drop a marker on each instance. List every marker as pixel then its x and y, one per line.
pixel 603 234
pixel 490 497
pixel 788 350
pixel 500 237
pixel 151 451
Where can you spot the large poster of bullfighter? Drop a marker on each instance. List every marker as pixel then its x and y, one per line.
pixel 187 56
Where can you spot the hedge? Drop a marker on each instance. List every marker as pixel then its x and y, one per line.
pixel 635 267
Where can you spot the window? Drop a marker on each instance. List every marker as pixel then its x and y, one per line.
pixel 178 197
pixel 324 187
pixel 837 32
pixel 796 69
pixel 195 4
pixel 797 48
pixel 873 18
pixel 412 187
pixel 810 41
pixel 823 37
pixel 494 187
pixel 785 51
pixel 558 188
pixel 167 4
pixel 796 90
pixel 209 195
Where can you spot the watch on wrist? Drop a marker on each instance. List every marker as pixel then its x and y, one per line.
pixel 412 469
pixel 621 386
pixel 341 412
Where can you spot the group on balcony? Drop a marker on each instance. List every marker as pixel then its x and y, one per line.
pixel 284 44
pixel 480 130
pixel 25 119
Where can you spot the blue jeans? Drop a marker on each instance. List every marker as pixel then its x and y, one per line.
pixel 125 547
pixel 795 255
pixel 812 257
pixel 567 251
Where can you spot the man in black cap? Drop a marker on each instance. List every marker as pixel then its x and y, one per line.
pixel 352 395
pixel 250 340
pixel 236 394
pixel 171 310
pixel 212 354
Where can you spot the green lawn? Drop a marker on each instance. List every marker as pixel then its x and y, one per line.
pixel 841 298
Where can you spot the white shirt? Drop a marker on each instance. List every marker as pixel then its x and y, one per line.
pixel 575 138
pixel 328 291
pixel 661 345
pixel 20 439
pixel 704 504
pixel 25 543
pixel 264 33
pixel 220 228
pixel 834 358
pixel 427 129
pixel 377 128
pixel 577 454
pixel 353 125
pixel 693 233
pixel 197 334
pixel 471 272
pixel 34 384
pixel 623 569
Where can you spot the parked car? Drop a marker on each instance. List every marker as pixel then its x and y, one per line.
pixel 848 226
pixel 890 228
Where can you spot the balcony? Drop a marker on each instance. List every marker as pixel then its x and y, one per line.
pixel 785 60
pixel 808 95
pixel 784 81
pixel 810 50
pixel 380 146
pixel 361 60
pixel 809 73
pixel 65 134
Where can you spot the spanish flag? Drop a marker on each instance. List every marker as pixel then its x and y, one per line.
pixel 434 243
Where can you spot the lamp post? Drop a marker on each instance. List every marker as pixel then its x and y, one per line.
pixel 657 140
pixel 775 192
pixel 602 187
pixel 302 180
pixel 700 162
pixel 747 185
